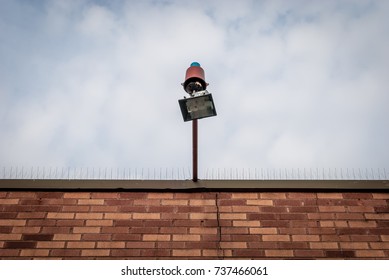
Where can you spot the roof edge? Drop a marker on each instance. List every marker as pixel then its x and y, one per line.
pixel 48 184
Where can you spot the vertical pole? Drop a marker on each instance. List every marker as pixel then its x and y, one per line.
pixel 194 141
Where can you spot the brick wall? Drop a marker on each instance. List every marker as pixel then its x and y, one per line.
pixel 202 225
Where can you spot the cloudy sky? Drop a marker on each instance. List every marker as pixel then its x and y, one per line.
pixel 95 83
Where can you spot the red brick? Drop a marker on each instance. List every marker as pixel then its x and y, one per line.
pixel 91 201
pixel 332 209
pixel 89 216
pixel 369 253
pixel 12 222
pixel 301 195
pixel 103 223
pixel 80 245
pixel 4 201
pixel 260 202
pixel 77 208
pixel 133 195
pixel 380 195
pixel 9 253
pixel 146 216
pixel 330 195
pixel 263 230
pixel 50 244
pixel 58 216
pixel 362 224
pixel 324 245
pixel 292 230
pixel 142 244
pixel 272 195
pixel 104 195
pixel 156 237
pixel 95 253
pixel 248 209
pixel 273 209
pixel 234 230
pixel 77 195
pixel 186 253
pixel 306 237
pixel 11 236
pixel 303 209
pixel 321 216
pixel 278 237
pixel 34 253
pixel 111 244
pixel 117 216
pixel 203 230
pixel 160 196
pixel 362 209
pixel 202 202
pixel 27 230
pixel 245 195
pixel 174 216
pixel 279 253
pixel 358 195
pixel 354 245
pixel 202 216
pixel 186 237
pixel 67 237
pixel 65 253
pixel 378 245
pixel 246 223
pixel 233 202
pixel 227 245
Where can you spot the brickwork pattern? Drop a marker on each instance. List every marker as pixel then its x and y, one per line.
pixel 198 225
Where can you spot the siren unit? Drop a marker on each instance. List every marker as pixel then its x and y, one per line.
pixel 200 103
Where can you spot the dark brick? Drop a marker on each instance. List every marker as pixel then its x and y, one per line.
pixel 65 253
pixel 49 194
pixel 19 245
pixel 255 217
pixel 201 245
pixel 126 252
pixel 271 223
pixel 340 254
pixel 272 209
pixel 288 202
pixel 232 202
pixel 155 253
pixel 381 209
pixel 126 237
pixel 5 229
pixel 358 195
pixel 303 209
pixel 248 253
pixel 133 195
pixel 309 253
pixel 38 237
pixel 348 231
pixel 8 215
pixel 293 216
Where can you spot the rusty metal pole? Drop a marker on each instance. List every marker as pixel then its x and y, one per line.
pixel 195 150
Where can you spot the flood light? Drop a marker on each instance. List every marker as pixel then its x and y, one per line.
pixel 197 107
